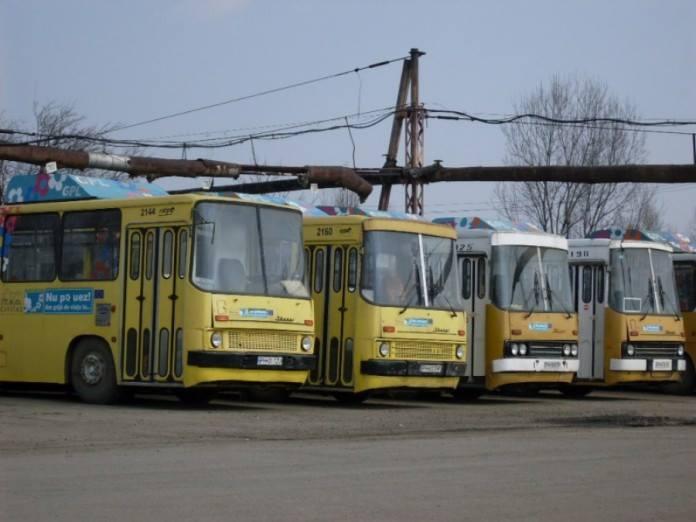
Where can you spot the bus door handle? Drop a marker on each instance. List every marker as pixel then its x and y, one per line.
pixel 342 309
pixel 173 297
pixel 140 298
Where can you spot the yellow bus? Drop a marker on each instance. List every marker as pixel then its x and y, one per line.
pixel 631 330
pixel 190 293
pixel 387 308
pixel 516 291
pixel 685 272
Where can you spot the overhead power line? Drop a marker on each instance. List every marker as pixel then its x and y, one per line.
pixel 259 94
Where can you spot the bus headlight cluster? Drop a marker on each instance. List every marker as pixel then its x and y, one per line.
pixel 460 351
pixel 518 349
pixel 384 349
pixel 306 343
pixel 566 350
pixel 630 349
pixel 680 350
pixel 574 350
pixel 216 339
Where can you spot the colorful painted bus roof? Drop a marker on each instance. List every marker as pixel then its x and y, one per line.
pixel 679 242
pixel 59 186
pixel 633 234
pixel 497 225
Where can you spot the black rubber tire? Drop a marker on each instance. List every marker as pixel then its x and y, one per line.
pixel 351 398
pixel 92 373
pixel 576 392
pixel 686 385
pixel 467 394
pixel 195 396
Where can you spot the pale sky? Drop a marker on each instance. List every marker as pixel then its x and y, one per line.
pixel 132 60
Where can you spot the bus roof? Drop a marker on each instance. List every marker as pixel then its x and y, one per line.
pixel 494 225
pixel 368 222
pixel 59 190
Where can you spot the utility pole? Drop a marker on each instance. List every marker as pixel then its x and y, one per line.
pixel 414 117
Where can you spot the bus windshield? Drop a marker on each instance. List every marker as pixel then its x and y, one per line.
pixel 247 249
pixel 410 270
pixel 530 279
pixel 642 282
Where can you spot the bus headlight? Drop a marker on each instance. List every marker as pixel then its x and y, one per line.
pixel 460 351
pixel 306 343
pixel 566 350
pixel 384 349
pixel 216 339
pixel 514 349
pixel 523 349
pixel 630 349
pixel 680 350
pixel 574 350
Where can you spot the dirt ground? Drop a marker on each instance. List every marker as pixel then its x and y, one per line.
pixel 610 456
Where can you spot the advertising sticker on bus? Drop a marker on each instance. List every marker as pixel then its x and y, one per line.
pixel 63 301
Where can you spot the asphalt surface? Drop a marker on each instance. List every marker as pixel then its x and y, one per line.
pixel 611 456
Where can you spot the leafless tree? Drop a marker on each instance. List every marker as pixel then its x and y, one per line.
pixel 63 127
pixel 572 209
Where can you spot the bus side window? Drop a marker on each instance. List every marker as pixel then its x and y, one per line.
pixel 338 270
pixel 29 247
pixel 318 271
pixel 466 278
pixel 600 284
pixel 352 269
pixel 586 284
pixel 481 276
pixel 91 243
pixel 183 252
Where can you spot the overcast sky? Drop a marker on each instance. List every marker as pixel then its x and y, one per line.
pixel 131 60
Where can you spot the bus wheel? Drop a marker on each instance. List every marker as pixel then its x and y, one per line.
pixel 92 373
pixel 195 396
pixel 351 398
pixel 467 394
pixel 686 383
pixel 576 391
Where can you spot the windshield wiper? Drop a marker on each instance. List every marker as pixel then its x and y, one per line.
pixel 550 292
pixel 537 294
pixel 662 292
pixel 408 289
pixel 650 298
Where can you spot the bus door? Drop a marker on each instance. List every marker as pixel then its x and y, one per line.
pixel 335 315
pixel 473 271
pixel 152 319
pixel 590 296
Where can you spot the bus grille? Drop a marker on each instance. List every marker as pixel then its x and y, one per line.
pixel 545 350
pixel 257 341
pixel 423 350
pixel 656 350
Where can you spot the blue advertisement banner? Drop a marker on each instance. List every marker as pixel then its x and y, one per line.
pixel 59 301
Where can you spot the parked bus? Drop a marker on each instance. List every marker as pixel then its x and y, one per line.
pixel 387 309
pixel 190 293
pixel 685 274
pixel 522 331
pixel 631 330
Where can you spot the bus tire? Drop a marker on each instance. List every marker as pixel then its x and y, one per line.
pixel 576 391
pixel 92 373
pixel 686 383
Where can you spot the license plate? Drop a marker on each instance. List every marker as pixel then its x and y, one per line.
pixel 431 368
pixel 662 365
pixel 263 360
pixel 552 365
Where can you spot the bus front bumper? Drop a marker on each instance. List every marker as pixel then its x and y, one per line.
pixel 412 368
pixel 247 361
pixel 534 364
pixel 647 365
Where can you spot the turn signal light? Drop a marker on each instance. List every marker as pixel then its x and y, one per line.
pixel 309 322
pixel 461 333
pixel 633 333
pixel 516 331
pixel 388 329
pixel 575 332
pixel 222 317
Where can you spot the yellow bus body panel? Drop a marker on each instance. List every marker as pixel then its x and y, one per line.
pixel 499 327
